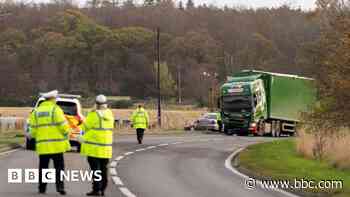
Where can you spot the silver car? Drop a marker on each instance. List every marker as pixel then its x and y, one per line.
pixel 208 121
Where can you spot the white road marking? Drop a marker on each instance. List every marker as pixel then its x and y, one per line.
pixel 117 180
pixel 113 164
pixel 126 192
pixel 229 166
pixel 8 152
pixel 119 158
pixel 113 171
pixel 151 147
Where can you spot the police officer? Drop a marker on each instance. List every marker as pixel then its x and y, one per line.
pixel 219 121
pixel 50 131
pixel 140 121
pixel 97 143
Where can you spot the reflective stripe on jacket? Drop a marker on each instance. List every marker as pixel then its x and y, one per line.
pixel 49 128
pixel 140 119
pixel 98 136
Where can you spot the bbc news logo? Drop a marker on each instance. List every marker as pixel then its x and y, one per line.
pixel 49 176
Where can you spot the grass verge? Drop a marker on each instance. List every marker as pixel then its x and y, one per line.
pixel 279 160
pixel 11 140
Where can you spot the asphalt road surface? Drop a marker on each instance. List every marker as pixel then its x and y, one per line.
pixel 191 165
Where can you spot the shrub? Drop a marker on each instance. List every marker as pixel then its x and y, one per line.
pixel 4 102
pixel 122 104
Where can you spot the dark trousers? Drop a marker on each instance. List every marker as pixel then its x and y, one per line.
pixel 58 162
pixel 101 165
pixel 140 133
pixel 220 125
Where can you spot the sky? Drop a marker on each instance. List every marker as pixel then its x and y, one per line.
pixel 304 4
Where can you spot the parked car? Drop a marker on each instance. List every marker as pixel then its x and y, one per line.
pixel 208 121
pixel 72 109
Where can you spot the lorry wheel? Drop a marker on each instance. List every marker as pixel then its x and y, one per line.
pixel 261 128
pixel 275 129
pixel 243 133
pixel 273 132
pixel 278 134
pixel 228 131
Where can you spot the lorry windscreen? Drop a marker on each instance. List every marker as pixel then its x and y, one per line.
pixel 237 104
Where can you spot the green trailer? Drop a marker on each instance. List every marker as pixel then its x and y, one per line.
pixel 259 103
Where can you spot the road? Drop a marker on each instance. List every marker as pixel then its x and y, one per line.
pixel 180 166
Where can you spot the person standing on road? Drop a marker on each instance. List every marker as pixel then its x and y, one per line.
pixel 219 121
pixel 50 130
pixel 97 142
pixel 140 121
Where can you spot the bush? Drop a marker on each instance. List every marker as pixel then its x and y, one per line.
pixel 122 104
pixel 4 102
pixel 201 103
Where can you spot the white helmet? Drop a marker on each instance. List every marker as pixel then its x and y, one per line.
pixel 101 99
pixel 51 94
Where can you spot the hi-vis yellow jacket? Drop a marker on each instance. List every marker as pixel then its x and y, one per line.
pixel 49 128
pixel 98 134
pixel 140 118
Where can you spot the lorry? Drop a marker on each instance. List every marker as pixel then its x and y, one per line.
pixel 264 103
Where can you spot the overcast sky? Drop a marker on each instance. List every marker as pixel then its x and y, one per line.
pixel 304 4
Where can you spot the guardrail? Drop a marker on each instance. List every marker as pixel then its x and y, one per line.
pixel 122 123
pixel 11 123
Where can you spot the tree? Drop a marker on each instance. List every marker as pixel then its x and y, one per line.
pixel 167 83
pixel 181 6
pixel 129 4
pixel 110 48
pixel 148 2
pixel 94 3
pixel 333 63
pixel 190 4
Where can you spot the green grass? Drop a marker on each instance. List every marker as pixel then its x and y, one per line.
pixel 11 139
pixel 280 160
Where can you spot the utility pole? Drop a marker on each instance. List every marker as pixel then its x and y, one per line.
pixel 179 84
pixel 158 80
